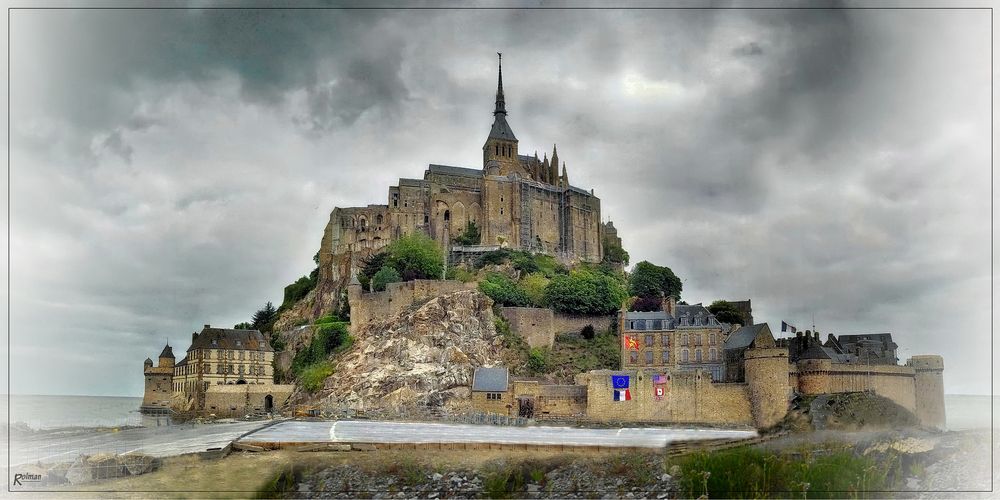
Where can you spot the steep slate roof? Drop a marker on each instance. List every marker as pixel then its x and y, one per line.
pixel 226 338
pixel 182 362
pixel 167 352
pixel 490 380
pixel 744 336
pixel 500 129
pixel 815 351
pixel 692 310
pixel 449 170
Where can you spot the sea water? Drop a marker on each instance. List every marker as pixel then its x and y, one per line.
pixel 58 412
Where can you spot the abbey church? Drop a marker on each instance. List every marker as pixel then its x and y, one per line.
pixel 516 201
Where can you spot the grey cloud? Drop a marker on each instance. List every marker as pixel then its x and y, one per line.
pixel 812 160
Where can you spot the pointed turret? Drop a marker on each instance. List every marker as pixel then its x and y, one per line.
pixel 554 167
pixel 501 144
pixel 546 170
pixel 565 178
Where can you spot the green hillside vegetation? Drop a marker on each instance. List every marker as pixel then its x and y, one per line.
pixel 312 365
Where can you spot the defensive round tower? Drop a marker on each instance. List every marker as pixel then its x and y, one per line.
pixel 147 365
pixel 814 376
pixel 766 374
pixel 929 389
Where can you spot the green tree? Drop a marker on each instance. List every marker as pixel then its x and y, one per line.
pixel 534 288
pixel 416 256
pixel 503 291
pixel 243 326
pixel 264 318
pixel 726 312
pixel 385 276
pixel 371 265
pixel 585 292
pixel 615 254
pixel 470 236
pixel 650 280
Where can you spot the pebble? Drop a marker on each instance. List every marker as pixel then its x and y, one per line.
pixel 665 477
pixel 436 476
pixel 533 488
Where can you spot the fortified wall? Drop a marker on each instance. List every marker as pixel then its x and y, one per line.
pixel 397 296
pixel 917 386
pixel 539 326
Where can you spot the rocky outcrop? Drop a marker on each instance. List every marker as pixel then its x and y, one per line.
pixel 424 355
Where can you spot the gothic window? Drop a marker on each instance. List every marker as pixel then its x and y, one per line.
pixel 378 219
pixel 649 357
pixel 395 200
pixel 447 215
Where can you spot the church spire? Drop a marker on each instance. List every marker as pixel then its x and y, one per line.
pixel 501 105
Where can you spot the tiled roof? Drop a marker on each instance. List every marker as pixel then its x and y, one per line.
pixel 490 380
pixel 167 352
pixel 225 338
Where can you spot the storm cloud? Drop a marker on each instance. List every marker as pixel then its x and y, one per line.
pixel 170 169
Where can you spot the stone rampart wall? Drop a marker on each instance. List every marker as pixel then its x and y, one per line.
pixel 689 397
pixel 397 296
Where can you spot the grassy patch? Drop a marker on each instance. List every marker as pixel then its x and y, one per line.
pixel 572 354
pixel 752 473
pixel 313 376
pixel 283 484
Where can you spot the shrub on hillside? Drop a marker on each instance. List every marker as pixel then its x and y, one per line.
pixel 650 280
pixel 538 360
pixel 534 286
pixel 370 266
pixel 587 332
pixel 470 236
pixel 313 376
pixel 503 291
pixel 416 256
pixel 585 292
pixel 385 276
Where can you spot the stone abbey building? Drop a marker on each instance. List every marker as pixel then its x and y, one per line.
pixel 516 201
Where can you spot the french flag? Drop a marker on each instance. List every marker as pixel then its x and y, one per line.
pixel 785 327
pixel 623 395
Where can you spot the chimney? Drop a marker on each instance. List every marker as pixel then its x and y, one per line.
pixel 208 326
pixel 798 335
pixel 669 304
pixel 816 336
pixel 194 336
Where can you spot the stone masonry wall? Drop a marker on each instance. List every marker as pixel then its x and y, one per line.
pixel 929 389
pixel 238 400
pixel 567 323
pixel 396 297
pixel 533 324
pixel 893 382
pixel 690 397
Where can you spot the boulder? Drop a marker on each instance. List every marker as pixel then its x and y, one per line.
pixel 137 463
pixel 79 472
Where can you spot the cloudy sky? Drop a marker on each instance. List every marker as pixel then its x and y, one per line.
pixel 170 169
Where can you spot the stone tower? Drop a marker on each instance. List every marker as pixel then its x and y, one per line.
pixel 501 145
pixel 766 373
pixel 166 357
pixel 929 389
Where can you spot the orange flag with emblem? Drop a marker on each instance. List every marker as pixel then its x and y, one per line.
pixel 631 343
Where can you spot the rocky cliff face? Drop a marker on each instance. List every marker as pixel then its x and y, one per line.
pixel 424 355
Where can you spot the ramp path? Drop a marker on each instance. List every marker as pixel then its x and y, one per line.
pixel 298 433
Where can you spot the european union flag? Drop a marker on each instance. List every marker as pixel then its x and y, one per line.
pixel 619 381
